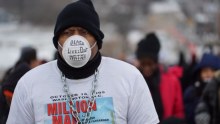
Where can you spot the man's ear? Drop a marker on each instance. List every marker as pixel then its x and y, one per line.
pixel 59 50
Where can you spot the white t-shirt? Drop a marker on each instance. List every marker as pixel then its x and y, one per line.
pixel 122 96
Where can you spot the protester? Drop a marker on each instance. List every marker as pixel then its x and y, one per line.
pixel 204 71
pixel 82 86
pixel 208 109
pixel 187 78
pixel 164 85
pixel 27 61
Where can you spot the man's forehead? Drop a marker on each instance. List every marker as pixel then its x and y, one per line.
pixel 74 28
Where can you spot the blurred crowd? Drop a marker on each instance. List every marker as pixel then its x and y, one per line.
pixel 186 93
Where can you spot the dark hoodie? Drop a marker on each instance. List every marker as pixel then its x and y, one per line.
pixel 194 92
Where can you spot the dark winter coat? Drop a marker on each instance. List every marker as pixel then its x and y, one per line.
pixel 191 99
pixel 9 84
pixel 210 101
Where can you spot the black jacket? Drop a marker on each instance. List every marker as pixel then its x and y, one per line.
pixel 9 84
pixel 210 101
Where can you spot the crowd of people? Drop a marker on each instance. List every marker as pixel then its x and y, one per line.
pixel 81 86
pixel 183 93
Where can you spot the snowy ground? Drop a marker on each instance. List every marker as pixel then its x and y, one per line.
pixel 13 37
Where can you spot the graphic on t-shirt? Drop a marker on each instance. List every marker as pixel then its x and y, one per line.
pixel 59 112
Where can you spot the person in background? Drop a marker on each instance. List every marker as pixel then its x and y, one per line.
pixel 82 86
pixel 27 61
pixel 164 85
pixel 208 109
pixel 204 73
pixel 187 78
pixel 28 55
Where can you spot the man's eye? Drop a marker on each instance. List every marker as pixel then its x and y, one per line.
pixel 83 32
pixel 67 33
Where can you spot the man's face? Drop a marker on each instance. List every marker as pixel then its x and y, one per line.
pixel 207 74
pixel 147 66
pixel 77 31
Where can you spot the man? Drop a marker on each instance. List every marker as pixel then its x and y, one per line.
pixel 81 86
pixel 28 60
pixel 164 85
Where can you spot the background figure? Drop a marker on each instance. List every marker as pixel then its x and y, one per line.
pixel 28 60
pixel 208 109
pixel 28 55
pixel 187 78
pixel 204 73
pixel 164 85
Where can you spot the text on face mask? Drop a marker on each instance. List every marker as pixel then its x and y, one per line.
pixel 77 57
pixel 76 43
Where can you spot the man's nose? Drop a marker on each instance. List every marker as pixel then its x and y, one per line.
pixel 76 32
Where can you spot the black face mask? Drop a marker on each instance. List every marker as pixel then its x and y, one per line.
pixel 79 73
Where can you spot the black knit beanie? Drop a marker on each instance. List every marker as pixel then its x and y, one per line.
pixel 28 54
pixel 148 47
pixel 81 13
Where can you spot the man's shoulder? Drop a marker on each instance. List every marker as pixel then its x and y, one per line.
pixel 41 70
